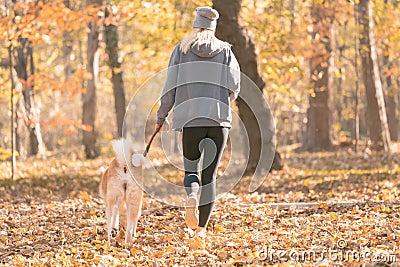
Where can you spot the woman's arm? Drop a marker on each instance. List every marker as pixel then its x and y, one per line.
pixel 168 94
pixel 167 102
pixel 233 76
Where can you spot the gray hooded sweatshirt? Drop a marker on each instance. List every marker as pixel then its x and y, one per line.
pixel 198 86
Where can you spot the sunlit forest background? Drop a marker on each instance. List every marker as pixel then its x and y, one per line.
pixel 329 71
pixel 45 45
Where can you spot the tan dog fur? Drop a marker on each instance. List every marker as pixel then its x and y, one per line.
pixel 120 190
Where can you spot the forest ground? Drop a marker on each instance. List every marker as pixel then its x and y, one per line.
pixel 338 208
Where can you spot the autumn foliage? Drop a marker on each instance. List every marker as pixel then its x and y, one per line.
pixel 342 198
pixel 321 209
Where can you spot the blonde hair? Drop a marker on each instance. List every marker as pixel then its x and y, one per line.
pixel 199 37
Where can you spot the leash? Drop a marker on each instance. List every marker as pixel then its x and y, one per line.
pixel 151 140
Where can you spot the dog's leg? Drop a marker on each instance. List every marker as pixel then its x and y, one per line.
pixel 115 216
pixel 133 214
pixel 108 216
pixel 114 220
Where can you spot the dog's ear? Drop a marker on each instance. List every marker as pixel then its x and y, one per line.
pixel 146 162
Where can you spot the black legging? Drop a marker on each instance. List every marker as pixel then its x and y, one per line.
pixel 192 148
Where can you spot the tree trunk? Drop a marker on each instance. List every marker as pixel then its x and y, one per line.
pixel 67 49
pixel 89 97
pixel 28 99
pixel 36 140
pixel 22 74
pixel 230 30
pixel 356 11
pixel 112 49
pixel 27 112
pixel 30 110
pixel 20 133
pixel 376 111
pixel 318 114
pixel 11 67
pixel 390 97
pixel 292 5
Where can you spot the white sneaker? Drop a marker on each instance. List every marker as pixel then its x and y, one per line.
pixel 192 213
pixel 201 232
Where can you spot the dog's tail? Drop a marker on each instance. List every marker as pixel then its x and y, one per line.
pixel 122 148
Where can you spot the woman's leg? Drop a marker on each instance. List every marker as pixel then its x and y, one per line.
pixel 191 138
pixel 191 151
pixel 213 150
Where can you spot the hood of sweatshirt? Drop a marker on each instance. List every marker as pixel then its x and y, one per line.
pixel 205 50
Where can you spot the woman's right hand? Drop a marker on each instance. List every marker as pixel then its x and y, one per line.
pixel 158 127
pixel 162 127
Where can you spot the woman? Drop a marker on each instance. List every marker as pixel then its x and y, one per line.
pixel 203 77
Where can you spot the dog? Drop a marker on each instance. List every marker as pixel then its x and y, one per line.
pixel 119 188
